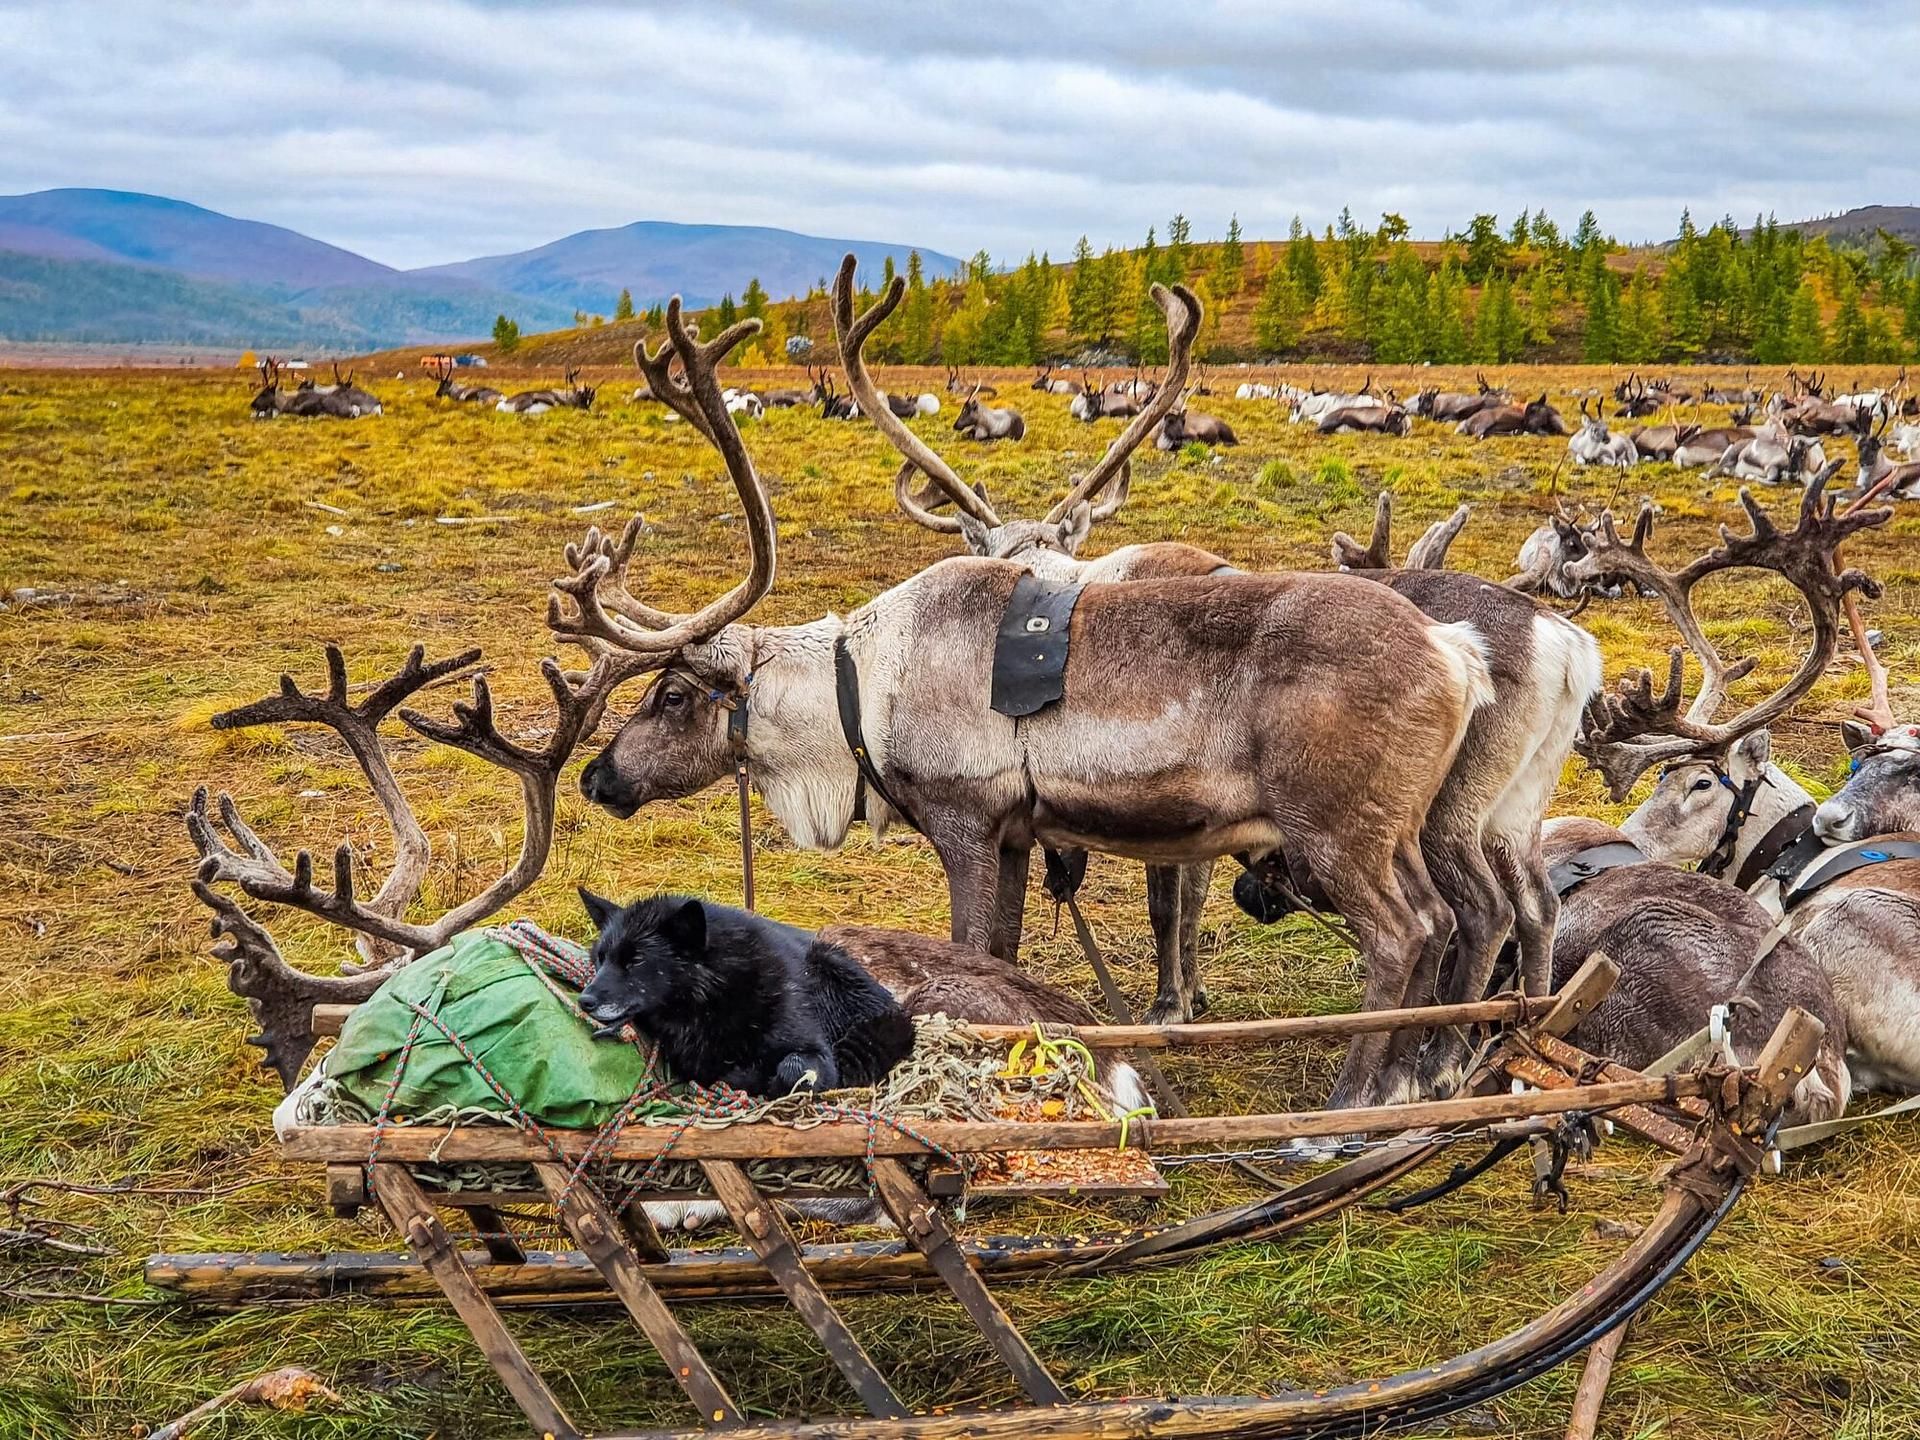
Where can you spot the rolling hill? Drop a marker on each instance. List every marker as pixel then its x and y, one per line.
pixel 657 259
pixel 121 267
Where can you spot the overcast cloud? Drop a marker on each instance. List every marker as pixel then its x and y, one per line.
pixel 424 132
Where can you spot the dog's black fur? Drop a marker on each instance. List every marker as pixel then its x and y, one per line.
pixel 733 998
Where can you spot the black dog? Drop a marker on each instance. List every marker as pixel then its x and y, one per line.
pixel 734 998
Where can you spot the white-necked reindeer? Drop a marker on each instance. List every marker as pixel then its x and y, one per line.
pixel 1592 444
pixel 571 396
pixel 984 422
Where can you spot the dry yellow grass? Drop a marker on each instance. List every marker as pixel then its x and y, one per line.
pixel 201 568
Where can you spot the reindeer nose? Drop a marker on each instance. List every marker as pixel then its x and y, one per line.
pixel 1834 823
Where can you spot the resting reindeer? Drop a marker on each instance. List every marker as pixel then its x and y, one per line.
pixel 1182 427
pixel 1536 417
pixel 1722 803
pixel 571 396
pixel 1593 445
pixel 1481 838
pixel 1453 407
pixel 1772 454
pixel 1898 482
pixel 984 422
pixel 1373 417
pixel 1044 382
pixel 1311 409
pixel 1094 401
pixel 272 401
pixel 1256 657
pixel 442 371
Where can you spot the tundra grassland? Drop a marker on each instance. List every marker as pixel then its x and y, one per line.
pixel 195 555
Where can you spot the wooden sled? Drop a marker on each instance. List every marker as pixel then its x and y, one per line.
pixel 1530 1084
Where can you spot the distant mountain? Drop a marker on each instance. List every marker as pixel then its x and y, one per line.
pixel 91 300
pixel 656 259
pixel 1860 223
pixel 173 235
pixel 115 266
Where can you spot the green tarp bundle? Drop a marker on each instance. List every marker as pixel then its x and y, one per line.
pixel 509 1017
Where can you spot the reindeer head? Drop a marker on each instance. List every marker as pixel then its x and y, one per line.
pixel 1882 794
pixel 266 402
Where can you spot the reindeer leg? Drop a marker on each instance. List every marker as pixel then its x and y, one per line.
pixel 1010 901
pixel 1195 882
pixel 1482 916
pixel 1403 926
pixel 1536 909
pixel 971 858
pixel 1172 1001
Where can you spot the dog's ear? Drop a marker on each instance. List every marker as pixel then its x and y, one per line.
pixel 599 910
pixel 686 929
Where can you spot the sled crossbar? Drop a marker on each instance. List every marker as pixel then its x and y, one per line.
pixel 1501 1009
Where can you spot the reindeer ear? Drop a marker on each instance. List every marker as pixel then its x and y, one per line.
pixel 1858 734
pixel 976 533
pixel 601 911
pixel 1756 749
pixel 1076 527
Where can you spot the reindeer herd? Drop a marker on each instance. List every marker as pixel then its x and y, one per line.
pixel 1380 741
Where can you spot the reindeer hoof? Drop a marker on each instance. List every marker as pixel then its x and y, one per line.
pixel 1166 1012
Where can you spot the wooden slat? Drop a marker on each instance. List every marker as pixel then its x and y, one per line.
pixel 1584 1418
pixel 1641 1121
pixel 853 1138
pixel 1576 999
pixel 644 1234
pixel 501 1247
pixel 921 1222
pixel 600 1235
pixel 327 1020
pixel 763 1228
pixel 407 1206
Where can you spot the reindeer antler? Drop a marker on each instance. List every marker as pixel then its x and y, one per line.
pixel 1614 740
pixel 1112 474
pixel 592 607
pixel 1429 552
pixel 852 332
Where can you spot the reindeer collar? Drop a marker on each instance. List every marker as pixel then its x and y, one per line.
pixel 846 691
pixel 1783 835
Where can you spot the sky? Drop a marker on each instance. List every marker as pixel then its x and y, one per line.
pixel 417 133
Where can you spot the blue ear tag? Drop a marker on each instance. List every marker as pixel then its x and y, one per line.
pixel 1853 765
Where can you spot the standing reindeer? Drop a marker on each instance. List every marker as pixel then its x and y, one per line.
pixel 571 396
pixel 1481 840
pixel 1253 658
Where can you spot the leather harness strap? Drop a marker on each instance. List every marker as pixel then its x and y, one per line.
pixel 846 689
pixel 1847 859
pixel 1780 836
pixel 1581 866
pixel 1721 856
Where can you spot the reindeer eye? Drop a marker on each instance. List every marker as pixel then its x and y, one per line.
pixel 1703 784
pixel 672 699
